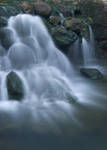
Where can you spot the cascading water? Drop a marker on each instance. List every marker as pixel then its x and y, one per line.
pixel 48 79
pixel 42 68
pixel 88 49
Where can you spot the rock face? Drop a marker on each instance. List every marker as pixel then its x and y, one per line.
pixel 63 38
pixel 14 86
pixel 42 9
pixel 91 73
pixel 26 8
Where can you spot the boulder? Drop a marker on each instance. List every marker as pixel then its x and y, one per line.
pixel 74 24
pixel 3 22
pixel 55 20
pixel 6 36
pixel 63 38
pixel 78 26
pixel 14 86
pixel 26 8
pixel 91 73
pixel 42 9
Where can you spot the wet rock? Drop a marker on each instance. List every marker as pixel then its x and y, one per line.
pixel 42 9
pixel 73 24
pixel 14 86
pixel 78 26
pixel 63 38
pixel 6 36
pixel 27 8
pixel 3 22
pixel 55 20
pixel 8 11
pixel 91 73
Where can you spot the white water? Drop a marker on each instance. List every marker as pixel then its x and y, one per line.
pixel 47 76
pixel 43 69
pixel 88 49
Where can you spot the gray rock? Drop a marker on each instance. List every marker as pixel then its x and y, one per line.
pixel 91 73
pixel 14 86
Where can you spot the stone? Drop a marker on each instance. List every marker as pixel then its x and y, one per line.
pixel 3 22
pixel 78 26
pixel 42 9
pixel 14 86
pixel 27 8
pixel 6 38
pixel 91 73
pixel 74 24
pixel 63 38
pixel 55 20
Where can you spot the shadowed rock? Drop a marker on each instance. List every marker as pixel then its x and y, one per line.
pixel 14 86
pixel 91 73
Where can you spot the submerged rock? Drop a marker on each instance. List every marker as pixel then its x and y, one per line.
pixel 42 9
pixel 21 56
pixel 91 73
pixel 14 86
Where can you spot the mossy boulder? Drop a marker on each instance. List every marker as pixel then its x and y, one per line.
pixel 27 8
pixel 63 38
pixel 78 26
pixel 42 9
pixel 55 20
pixel 91 73
pixel 74 24
pixel 14 86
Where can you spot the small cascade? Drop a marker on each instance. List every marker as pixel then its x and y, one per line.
pixel 88 49
pixel 62 18
pixel 48 81
pixel 75 52
pixel 42 68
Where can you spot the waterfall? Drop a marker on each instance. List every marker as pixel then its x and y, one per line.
pixel 88 49
pixel 43 69
pixel 48 79
pixel 74 52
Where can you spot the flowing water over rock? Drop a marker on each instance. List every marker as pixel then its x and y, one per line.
pixel 55 98
pixel 43 70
